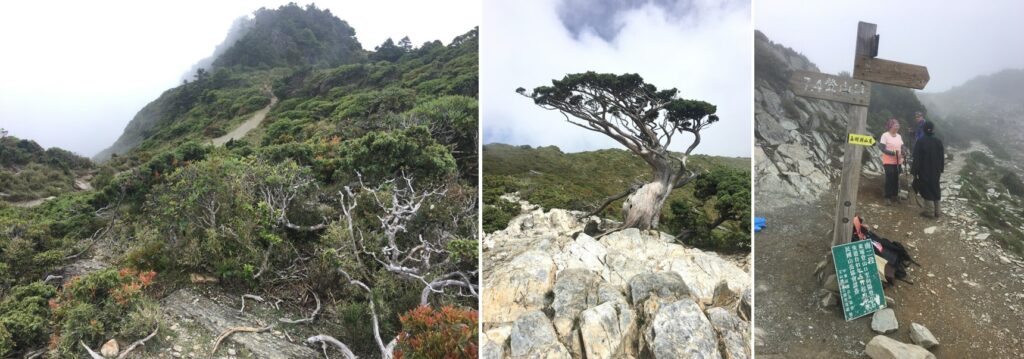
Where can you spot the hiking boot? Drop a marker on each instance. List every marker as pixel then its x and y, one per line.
pixel 930 214
pixel 888 201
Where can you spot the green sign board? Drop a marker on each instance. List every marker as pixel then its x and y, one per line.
pixel 857 274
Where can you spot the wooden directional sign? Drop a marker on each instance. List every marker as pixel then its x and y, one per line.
pixel 830 87
pixel 890 72
pixel 863 140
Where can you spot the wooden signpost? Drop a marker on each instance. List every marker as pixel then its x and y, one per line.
pixel 857 92
pixel 852 261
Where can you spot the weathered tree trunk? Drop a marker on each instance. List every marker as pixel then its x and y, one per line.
pixel 642 209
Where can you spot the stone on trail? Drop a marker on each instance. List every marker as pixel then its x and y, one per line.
pixel 922 336
pixel 884 321
pixel 883 347
pixel 930 230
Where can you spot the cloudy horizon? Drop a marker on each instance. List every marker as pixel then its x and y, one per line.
pixel 702 48
pixel 957 41
pixel 75 73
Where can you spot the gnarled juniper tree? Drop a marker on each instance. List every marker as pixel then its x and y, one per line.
pixel 640 117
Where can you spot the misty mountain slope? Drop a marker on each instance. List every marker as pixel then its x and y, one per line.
pixel 288 37
pixel 800 141
pixel 988 108
pixel 354 201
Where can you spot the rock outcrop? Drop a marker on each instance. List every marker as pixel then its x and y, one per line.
pixel 554 291
pixel 798 153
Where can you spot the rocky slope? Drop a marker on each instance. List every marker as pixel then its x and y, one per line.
pixel 797 151
pixel 556 291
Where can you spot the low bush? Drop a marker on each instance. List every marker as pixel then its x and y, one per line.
pixel 449 333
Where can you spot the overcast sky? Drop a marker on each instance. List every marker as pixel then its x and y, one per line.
pixel 73 73
pixel 956 40
pixel 703 48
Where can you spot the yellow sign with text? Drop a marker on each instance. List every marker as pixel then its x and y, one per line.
pixel 863 140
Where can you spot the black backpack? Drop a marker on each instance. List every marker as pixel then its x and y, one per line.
pixel 893 252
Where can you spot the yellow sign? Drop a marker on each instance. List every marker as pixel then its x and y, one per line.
pixel 863 140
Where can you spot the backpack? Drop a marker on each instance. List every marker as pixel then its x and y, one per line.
pixel 894 253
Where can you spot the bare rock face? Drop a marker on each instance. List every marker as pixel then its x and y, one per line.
pixel 534 337
pixel 216 318
pixel 680 330
pixel 554 291
pixel 520 287
pixel 798 139
pixel 733 333
pixel 607 330
pixel 883 347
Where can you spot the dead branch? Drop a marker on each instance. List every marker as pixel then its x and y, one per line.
pixel 124 354
pixel 227 333
pixel 327 339
pixel 311 316
pixel 92 354
pixel 35 353
pixel 609 200
pixel 52 277
pixel 436 285
pixel 250 296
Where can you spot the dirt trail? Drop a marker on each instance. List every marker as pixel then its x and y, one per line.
pixel 248 125
pixel 81 184
pixel 968 291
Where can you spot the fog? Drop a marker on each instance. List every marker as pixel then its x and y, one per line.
pixel 956 40
pixel 74 73
pixel 703 48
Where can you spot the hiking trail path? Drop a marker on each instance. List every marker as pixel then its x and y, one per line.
pixel 253 122
pixel 968 291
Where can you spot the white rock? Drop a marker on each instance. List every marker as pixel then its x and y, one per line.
pixel 884 321
pixel 883 347
pixel 922 336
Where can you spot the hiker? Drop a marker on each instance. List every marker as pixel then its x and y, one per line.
pixel 927 167
pixel 918 126
pixel 891 144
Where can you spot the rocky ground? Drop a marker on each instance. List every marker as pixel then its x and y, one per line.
pixel 556 289
pixel 968 290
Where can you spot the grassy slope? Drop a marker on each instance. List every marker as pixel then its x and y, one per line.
pixel 579 181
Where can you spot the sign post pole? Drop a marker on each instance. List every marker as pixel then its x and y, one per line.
pixel 856 92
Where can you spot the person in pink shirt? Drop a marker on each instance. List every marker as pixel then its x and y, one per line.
pixel 891 144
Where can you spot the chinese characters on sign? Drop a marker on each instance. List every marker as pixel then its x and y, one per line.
pixel 830 87
pixel 857 274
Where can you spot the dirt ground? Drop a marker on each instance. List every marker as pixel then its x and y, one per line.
pixel 968 292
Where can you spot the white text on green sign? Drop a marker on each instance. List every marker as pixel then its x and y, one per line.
pixel 857 274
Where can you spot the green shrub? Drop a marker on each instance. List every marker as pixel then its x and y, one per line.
pixel 497 215
pixel 1013 183
pixel 379 156
pixel 94 307
pixel 24 316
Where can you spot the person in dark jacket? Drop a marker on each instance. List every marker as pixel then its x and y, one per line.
pixel 928 165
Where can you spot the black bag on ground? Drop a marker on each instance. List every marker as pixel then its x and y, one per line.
pixel 893 252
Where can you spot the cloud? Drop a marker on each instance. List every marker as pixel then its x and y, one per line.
pixel 956 41
pixel 702 48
